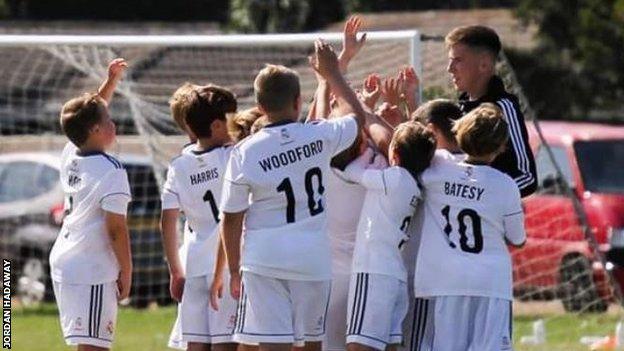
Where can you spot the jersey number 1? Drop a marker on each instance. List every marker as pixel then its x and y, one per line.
pixel 314 206
pixel 463 238
pixel 213 205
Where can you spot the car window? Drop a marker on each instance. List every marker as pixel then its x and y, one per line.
pixel 23 180
pixel 546 170
pixel 601 163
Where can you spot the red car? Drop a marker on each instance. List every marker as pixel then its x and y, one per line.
pixel 557 260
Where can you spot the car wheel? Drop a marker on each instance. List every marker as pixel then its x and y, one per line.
pixel 578 290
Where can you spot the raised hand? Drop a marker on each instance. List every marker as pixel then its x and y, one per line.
pixel 391 91
pixel 411 87
pixel 371 90
pixel 116 68
pixel 391 114
pixel 324 60
pixel 351 45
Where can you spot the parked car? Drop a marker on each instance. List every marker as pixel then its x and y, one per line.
pixel 31 212
pixel 557 260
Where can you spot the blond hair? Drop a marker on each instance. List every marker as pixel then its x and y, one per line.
pixel 79 115
pixel 276 88
pixel 179 103
pixel 482 132
pixel 239 126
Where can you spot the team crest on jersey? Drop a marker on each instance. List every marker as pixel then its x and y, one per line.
pixel 200 161
pixel 73 166
pixel 467 173
pixel 285 136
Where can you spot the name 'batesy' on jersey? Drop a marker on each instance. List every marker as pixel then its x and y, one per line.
pixel 470 212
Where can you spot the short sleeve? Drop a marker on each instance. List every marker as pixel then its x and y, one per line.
pixel 235 194
pixel 115 193
pixel 513 215
pixel 116 203
pixel 170 197
pixel 342 132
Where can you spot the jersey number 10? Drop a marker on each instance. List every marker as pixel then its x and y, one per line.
pixel 314 206
pixel 463 238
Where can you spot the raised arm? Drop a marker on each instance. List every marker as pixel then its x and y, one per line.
pixel 326 64
pixel 116 69
pixel 351 45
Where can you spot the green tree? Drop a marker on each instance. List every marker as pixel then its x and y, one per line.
pixel 582 41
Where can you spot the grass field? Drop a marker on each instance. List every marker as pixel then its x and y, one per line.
pixel 38 329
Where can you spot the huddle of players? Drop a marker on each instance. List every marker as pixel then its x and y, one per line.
pixel 252 189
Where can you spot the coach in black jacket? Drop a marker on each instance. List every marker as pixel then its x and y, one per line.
pixel 472 58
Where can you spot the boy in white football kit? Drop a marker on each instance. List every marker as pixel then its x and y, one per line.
pixel 275 183
pixel 193 186
pixel 378 297
pixel 90 262
pixel 438 116
pixel 463 279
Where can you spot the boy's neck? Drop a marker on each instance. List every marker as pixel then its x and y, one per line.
pixel 208 143
pixel 480 160
pixel 88 148
pixel 279 117
pixel 481 88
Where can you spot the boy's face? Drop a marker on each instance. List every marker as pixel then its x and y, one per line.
pixel 466 66
pixel 104 132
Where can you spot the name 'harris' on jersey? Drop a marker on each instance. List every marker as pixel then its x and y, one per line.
pixel 283 168
pixel 92 183
pixel 194 184
pixel 462 248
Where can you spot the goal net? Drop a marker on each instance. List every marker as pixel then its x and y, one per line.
pixel 561 277
pixel 40 73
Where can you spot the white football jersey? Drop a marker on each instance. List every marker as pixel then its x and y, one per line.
pixel 468 212
pixel 391 199
pixel 279 175
pixel 194 183
pixel 92 183
pixel 344 204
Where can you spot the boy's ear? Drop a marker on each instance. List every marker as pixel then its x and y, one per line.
pixel 297 103
pixel 261 109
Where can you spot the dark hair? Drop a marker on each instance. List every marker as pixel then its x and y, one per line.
pixel 415 146
pixel 207 104
pixel 79 115
pixel 483 131
pixel 477 37
pixel 442 113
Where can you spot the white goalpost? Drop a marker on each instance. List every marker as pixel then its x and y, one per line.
pixel 40 72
